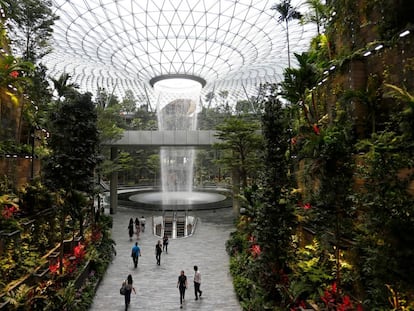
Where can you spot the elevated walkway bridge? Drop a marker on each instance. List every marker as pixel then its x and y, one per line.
pixel 165 139
pixel 142 139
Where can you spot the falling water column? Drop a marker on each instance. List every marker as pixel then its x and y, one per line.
pixel 177 103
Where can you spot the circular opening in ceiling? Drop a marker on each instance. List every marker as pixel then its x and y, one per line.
pixel 180 81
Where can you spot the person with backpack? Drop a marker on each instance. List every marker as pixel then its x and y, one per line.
pixel 135 253
pixel 128 288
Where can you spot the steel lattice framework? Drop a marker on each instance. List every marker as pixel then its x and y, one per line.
pixel 121 45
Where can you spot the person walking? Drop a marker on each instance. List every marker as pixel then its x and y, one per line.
pixel 165 243
pixel 197 283
pixel 182 286
pixel 142 221
pixel 128 290
pixel 131 229
pixel 158 251
pixel 137 227
pixel 136 252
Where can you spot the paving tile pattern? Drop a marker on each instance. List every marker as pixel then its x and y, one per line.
pixel 156 285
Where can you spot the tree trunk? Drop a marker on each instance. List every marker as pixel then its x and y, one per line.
pixel 236 190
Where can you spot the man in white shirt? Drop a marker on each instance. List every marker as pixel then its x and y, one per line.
pixel 142 221
pixel 197 283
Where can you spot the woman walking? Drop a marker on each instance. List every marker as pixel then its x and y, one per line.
pixel 182 285
pixel 131 229
pixel 137 227
pixel 128 289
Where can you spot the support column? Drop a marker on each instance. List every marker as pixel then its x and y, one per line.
pixel 113 189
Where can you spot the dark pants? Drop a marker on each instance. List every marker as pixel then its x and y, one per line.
pixel 158 257
pixel 127 298
pixel 182 294
pixel 135 260
pixel 165 247
pixel 197 290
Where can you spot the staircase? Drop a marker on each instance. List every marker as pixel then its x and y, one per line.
pixel 180 223
pixel 168 224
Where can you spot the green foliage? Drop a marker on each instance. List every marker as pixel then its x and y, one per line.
pixel 311 272
pixel 318 14
pixel 71 298
pixel 17 299
pixel 402 117
pixel 247 287
pixel 7 266
pixel 35 197
pixel 237 243
pixel 297 81
pixel 287 13
pixel 40 94
pixel 74 141
pixel 241 142
pixel 31 26
pixel 269 218
pixel 11 147
pixel 274 217
pixel 386 227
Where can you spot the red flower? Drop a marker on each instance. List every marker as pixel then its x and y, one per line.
pixel 326 297
pixel 347 301
pixel 316 129
pixel 14 74
pixel 8 211
pixel 256 250
pixel 334 288
pixel 307 206
pixel 54 267
pixel 79 251
pixel 293 141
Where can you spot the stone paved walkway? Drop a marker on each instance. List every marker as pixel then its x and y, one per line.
pixel 156 285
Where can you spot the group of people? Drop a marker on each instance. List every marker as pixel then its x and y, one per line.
pixel 139 226
pixel 182 283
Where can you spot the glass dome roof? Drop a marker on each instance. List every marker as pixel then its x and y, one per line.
pixel 121 45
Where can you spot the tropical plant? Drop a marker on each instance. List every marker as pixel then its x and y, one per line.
pixel 13 79
pixel 385 231
pixel 299 80
pixel 287 13
pixel 19 298
pixel 317 14
pixel 63 87
pixel 403 119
